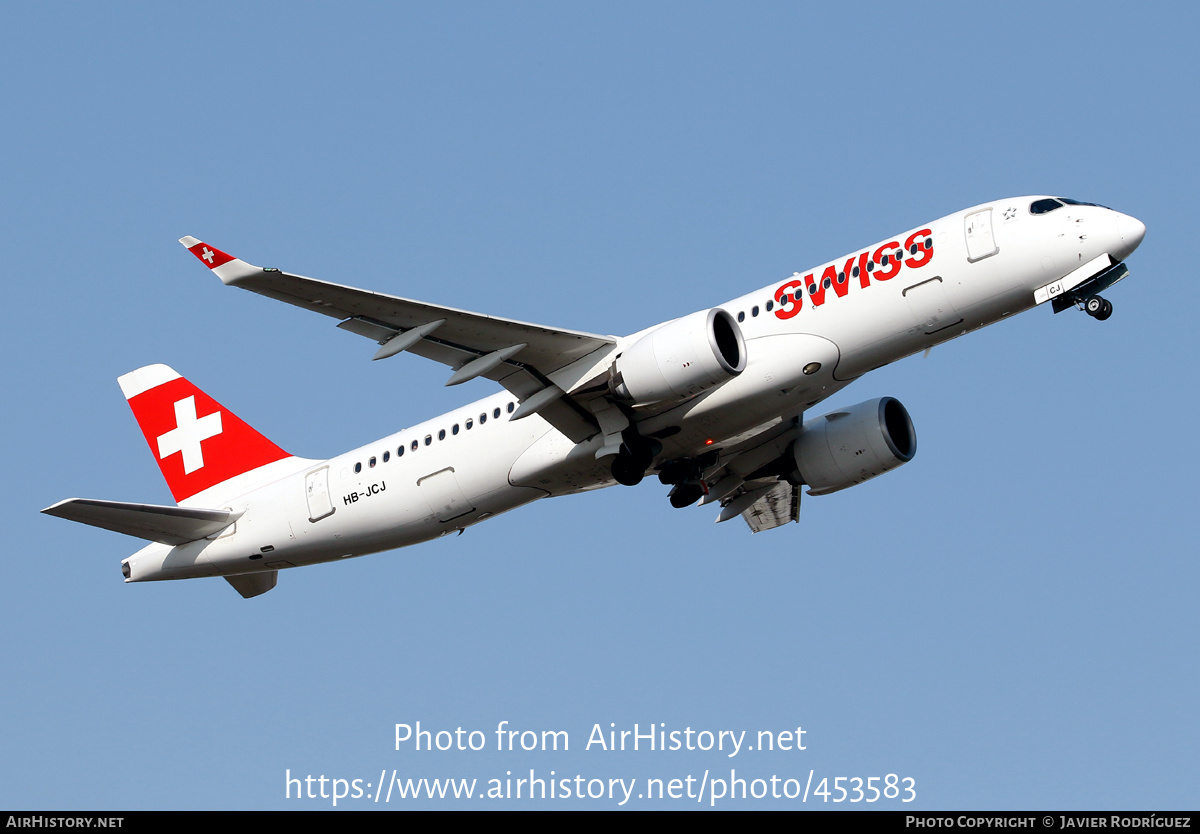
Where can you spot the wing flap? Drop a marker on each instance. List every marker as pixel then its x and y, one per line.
pixel 775 509
pixel 153 522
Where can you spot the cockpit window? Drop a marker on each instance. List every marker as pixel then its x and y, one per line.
pixel 1071 202
pixel 1049 204
pixel 1044 206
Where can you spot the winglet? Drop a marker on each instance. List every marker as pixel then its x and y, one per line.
pixel 228 268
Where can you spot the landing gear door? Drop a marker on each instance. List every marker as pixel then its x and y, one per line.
pixel 981 243
pixel 316 489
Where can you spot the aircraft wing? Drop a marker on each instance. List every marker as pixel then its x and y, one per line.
pixel 750 477
pixel 520 356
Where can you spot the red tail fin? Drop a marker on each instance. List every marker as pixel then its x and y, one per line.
pixel 197 442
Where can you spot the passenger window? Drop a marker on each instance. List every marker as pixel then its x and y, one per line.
pixel 428 439
pixel 770 306
pixel 387 456
pixel 754 311
pixel 454 430
pixel 496 413
pixel 372 462
pixel 414 445
pixel 511 406
pixel 399 451
pixel 358 467
pixel 742 315
pixel 470 423
pixel 441 434
pixel 482 419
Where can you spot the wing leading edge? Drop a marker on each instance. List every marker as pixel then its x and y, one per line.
pixel 529 360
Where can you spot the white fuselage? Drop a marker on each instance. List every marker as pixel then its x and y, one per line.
pixel 967 270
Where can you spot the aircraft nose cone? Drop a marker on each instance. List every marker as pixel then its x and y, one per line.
pixel 1131 231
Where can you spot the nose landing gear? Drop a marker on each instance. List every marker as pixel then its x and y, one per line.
pixel 1097 307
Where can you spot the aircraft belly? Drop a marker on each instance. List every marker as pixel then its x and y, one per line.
pixel 556 465
pixel 773 385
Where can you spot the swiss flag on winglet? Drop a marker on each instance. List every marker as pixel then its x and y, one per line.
pixel 197 442
pixel 210 255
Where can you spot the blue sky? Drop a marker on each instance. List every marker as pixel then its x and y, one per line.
pixel 1010 619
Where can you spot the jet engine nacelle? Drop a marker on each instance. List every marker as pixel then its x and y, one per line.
pixel 681 359
pixel 847 447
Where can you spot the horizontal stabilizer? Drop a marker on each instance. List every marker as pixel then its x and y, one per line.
pixel 169 525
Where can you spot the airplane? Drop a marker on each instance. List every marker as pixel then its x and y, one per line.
pixel 713 403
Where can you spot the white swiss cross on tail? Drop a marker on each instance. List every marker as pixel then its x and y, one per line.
pixel 188 433
pixel 197 442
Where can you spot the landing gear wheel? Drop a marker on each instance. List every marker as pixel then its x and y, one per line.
pixel 1098 308
pixel 684 495
pixel 627 471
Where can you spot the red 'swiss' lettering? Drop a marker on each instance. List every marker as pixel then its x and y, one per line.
pixel 867 267
pixel 793 301
pixel 924 246
pixel 831 277
pixel 864 274
pixel 887 256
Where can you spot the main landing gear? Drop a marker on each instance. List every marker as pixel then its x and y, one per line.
pixel 684 495
pixel 684 478
pixel 1097 307
pixel 637 453
pixel 628 469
